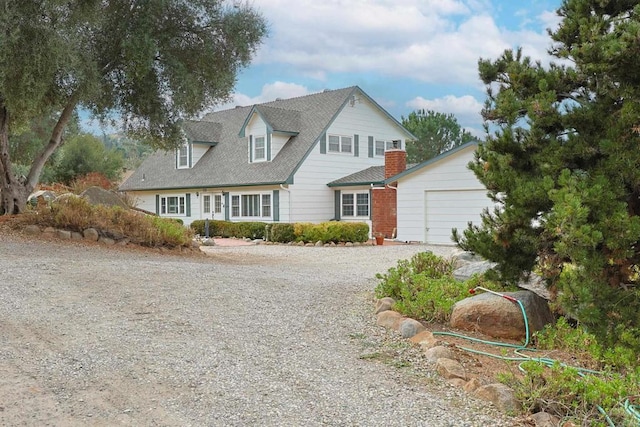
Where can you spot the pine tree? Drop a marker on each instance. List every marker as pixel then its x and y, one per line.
pixel 562 159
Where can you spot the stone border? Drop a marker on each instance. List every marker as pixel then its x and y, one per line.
pixel 447 366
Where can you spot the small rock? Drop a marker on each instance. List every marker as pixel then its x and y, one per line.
pixel 421 337
pixel 208 242
pixel 544 419
pixel 500 395
pixel 384 304
pixel 49 231
pixel 390 319
pixel 32 229
pixel 319 243
pixel 439 352
pixel 107 240
pixel 76 236
pixel 91 234
pixel 410 327
pixel 63 234
pixel 472 385
pixel 348 244
pixel 449 368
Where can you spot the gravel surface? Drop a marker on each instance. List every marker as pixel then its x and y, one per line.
pixel 244 336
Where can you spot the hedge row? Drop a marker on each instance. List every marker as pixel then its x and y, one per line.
pixel 325 232
pixel 252 230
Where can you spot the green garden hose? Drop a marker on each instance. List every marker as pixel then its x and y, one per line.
pixel 632 409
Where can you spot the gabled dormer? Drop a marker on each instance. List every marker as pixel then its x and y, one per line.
pixel 267 130
pixel 199 137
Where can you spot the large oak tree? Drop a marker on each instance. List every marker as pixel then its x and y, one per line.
pixel 152 63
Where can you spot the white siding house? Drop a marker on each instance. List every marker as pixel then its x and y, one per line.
pixel 270 162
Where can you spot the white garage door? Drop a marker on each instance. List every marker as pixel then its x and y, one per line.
pixel 452 209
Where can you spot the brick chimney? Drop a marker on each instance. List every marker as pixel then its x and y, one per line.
pixel 384 217
pixel 395 160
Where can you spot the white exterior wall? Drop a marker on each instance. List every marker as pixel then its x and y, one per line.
pixel 312 200
pixel 147 200
pixel 277 142
pixel 197 151
pixel 450 173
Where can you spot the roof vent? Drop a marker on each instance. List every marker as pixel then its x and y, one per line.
pixel 327 90
pixel 278 99
pixel 238 106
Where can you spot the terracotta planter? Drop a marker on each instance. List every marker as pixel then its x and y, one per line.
pixel 379 240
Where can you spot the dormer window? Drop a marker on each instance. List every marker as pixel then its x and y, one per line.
pixel 259 149
pixel 183 157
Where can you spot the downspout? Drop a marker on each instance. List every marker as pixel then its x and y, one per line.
pixel 290 212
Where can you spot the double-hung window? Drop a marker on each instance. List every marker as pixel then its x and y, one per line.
pixel 382 146
pixel 340 144
pixel 173 205
pixel 217 203
pixel 183 156
pixel 355 204
pixel 259 149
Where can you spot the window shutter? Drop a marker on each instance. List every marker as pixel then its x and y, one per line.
pixel 190 162
pixel 371 146
pixel 268 148
pixel 276 205
pixel 250 148
pixel 356 145
pixel 226 206
pixel 157 204
pixel 337 205
pixel 177 157
pixel 188 203
pixel 370 204
pixel 323 143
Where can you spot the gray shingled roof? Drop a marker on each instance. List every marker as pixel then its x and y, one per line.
pixel 226 164
pixel 371 175
pixel 207 132
pixel 279 119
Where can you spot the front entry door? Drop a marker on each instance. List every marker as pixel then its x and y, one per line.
pixel 207 206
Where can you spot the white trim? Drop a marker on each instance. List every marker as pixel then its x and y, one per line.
pixel 242 199
pixel 355 205
pixel 179 156
pixel 264 148
pixel 341 146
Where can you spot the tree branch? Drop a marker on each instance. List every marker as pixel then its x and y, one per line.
pixel 54 142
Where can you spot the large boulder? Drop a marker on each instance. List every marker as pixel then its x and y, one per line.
pixel 41 196
pixel 500 395
pixel 500 318
pixel 100 196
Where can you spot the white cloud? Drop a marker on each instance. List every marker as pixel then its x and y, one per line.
pixel 269 93
pixel 434 41
pixel 466 110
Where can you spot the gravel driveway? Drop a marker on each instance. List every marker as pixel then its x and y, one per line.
pixel 245 336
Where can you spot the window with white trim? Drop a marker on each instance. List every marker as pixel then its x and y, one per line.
pixel 173 205
pixel 251 205
pixel 382 145
pixel 340 144
pixel 217 203
pixel 183 156
pixel 355 204
pixel 259 148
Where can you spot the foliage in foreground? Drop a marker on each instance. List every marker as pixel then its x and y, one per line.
pixel 152 65
pixel 425 289
pixel 74 213
pixel 562 164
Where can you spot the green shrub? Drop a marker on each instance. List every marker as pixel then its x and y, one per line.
pixel 282 232
pixel 252 230
pixel 76 214
pixel 333 231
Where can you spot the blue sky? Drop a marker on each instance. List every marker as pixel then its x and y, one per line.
pixel 406 54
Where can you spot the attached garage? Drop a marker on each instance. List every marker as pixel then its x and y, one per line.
pixel 438 195
pixel 448 209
